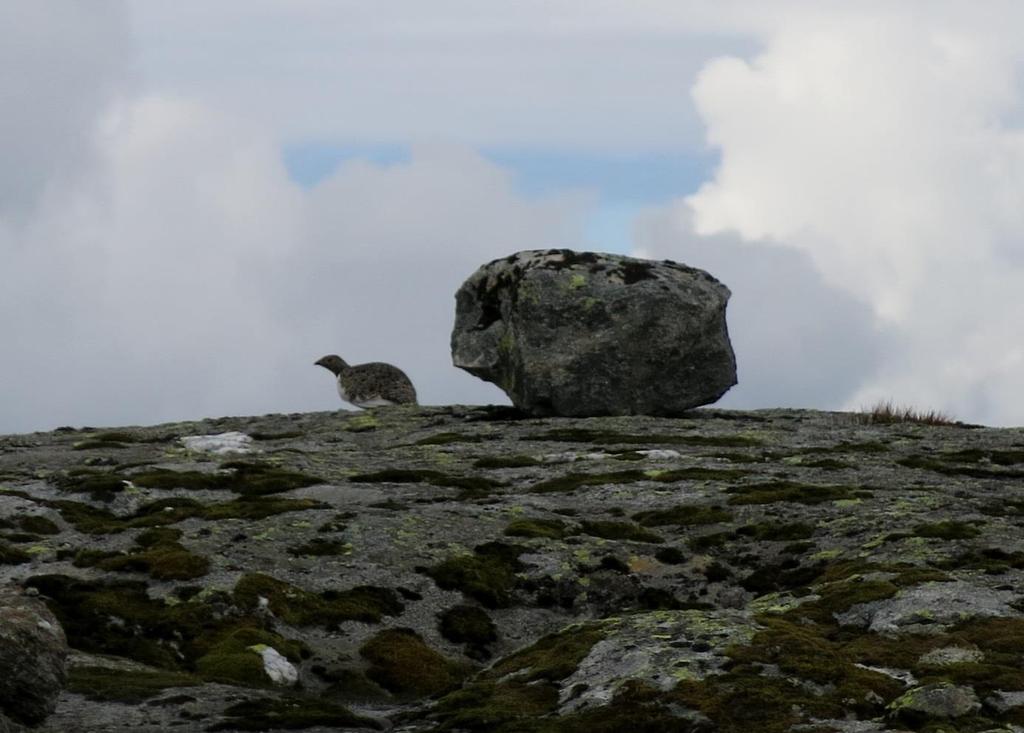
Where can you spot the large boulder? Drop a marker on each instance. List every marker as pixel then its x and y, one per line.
pixel 33 655
pixel 579 334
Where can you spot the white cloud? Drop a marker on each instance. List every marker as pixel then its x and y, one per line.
pixel 60 61
pixel 190 277
pixel 798 341
pixel 883 143
pixel 185 275
pixel 601 75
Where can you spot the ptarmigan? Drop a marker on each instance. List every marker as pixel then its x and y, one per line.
pixel 370 385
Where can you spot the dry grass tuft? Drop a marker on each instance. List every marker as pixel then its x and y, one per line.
pixel 887 413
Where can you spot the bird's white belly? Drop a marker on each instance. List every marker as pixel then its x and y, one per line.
pixel 375 401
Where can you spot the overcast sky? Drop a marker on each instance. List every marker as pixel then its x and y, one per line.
pixel 198 199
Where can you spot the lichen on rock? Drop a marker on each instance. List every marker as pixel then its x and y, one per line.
pixel 777 571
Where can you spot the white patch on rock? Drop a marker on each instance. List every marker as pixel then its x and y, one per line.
pixel 948 655
pixel 219 444
pixel 903 675
pixel 278 669
pixel 571 457
pixel 660 453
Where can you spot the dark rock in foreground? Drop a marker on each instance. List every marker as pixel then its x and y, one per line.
pixel 583 334
pixel 33 652
pixel 449 569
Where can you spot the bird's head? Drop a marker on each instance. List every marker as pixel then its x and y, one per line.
pixel 333 363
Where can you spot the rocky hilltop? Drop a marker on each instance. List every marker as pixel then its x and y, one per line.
pixel 468 569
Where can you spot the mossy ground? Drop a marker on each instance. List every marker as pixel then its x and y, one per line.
pixel 298 607
pixel 745 514
pixel 261 714
pixel 470 486
pixel 772 492
pixel 469 625
pixel 92 520
pixel 402 663
pixel 126 686
pixel 601 437
pixel 232 657
pixel 626 531
pixel 573 481
pixel 552 529
pixel 487 576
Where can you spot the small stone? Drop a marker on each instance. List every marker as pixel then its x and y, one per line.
pixel 940 700
pixel 278 668
pixel 1003 700
pixel 948 655
pixel 219 444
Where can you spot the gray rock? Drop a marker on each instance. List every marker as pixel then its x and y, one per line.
pixel 33 653
pixel 752 569
pixel 930 606
pixel 580 334
pixel 940 700
pixel 950 655
pixel 1003 701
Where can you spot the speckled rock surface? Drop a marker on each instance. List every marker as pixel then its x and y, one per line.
pixel 33 651
pixel 471 569
pixel 583 334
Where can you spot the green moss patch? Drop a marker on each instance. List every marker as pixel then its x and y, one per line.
pixel 684 515
pixel 777 532
pixel 38 525
pixel 506 707
pixel 319 547
pixel 125 686
pixel 552 529
pixel 449 438
pixel 119 618
pixel 258 507
pixel 100 485
pixel 289 713
pixel 283 435
pixel 947 530
pixel 552 658
pixel 91 520
pixel 233 659
pixel 828 464
pixel 299 607
pixel 10 555
pixel 670 556
pixel 112 439
pixel 402 663
pixel 705 542
pixel 626 531
pixel 947 465
pixel 247 479
pixel 506 462
pixel 468 625
pixel 601 437
pixel 471 486
pixel 573 481
pixel 990 560
pixel 159 554
pixel 772 492
pixel 164 562
pixel 520 691
pixel 487 576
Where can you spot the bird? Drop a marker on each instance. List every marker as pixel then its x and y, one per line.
pixel 370 385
